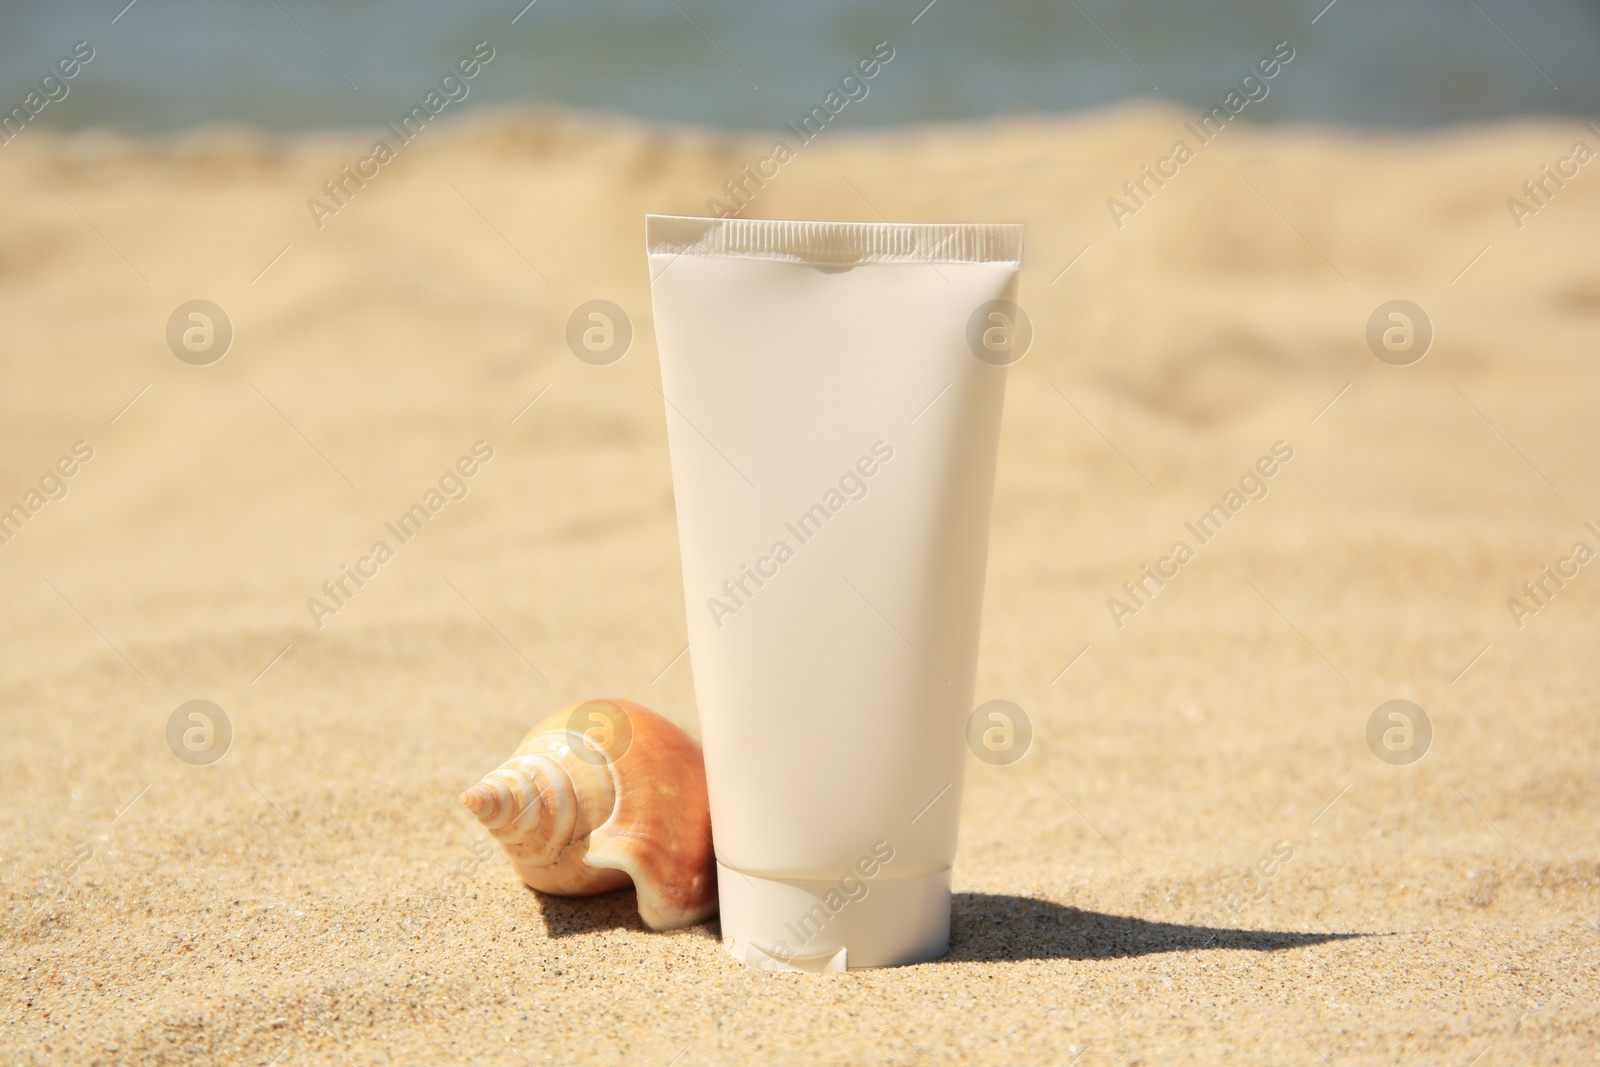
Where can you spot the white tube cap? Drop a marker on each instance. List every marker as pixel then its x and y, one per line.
pixel 822 926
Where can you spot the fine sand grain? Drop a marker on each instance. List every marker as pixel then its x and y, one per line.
pixel 316 896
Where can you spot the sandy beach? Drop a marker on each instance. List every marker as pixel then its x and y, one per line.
pixel 1200 861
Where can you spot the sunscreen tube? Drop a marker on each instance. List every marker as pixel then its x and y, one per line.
pixel 833 395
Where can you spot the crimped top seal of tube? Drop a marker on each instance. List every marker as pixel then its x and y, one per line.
pixel 834 242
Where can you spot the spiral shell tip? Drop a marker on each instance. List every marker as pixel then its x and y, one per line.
pixel 481 800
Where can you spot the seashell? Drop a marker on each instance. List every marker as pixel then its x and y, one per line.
pixel 602 793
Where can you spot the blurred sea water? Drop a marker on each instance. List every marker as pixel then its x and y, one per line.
pixel 286 65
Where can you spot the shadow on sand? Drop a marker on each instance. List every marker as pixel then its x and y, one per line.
pixel 987 928
pixel 990 927
pixel 569 916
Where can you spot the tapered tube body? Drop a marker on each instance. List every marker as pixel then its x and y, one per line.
pixel 833 420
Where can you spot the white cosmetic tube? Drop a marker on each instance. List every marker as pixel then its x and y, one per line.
pixel 833 396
